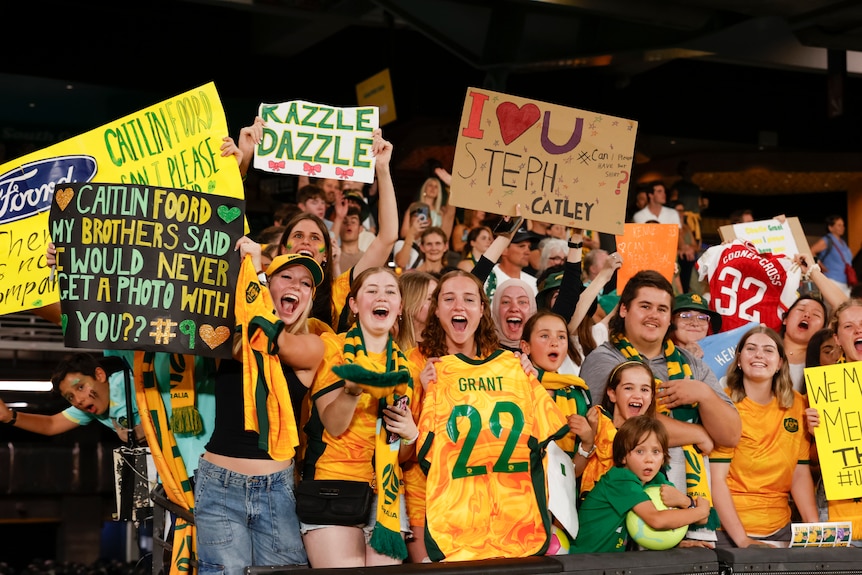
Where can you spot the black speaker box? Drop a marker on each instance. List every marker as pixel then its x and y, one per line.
pixel 693 561
pixel 519 566
pixel 799 560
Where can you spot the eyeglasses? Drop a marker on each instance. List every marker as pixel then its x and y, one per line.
pixel 693 317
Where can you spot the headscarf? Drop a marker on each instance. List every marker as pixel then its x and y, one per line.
pixel 495 309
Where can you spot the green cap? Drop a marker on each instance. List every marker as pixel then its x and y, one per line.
pixel 696 302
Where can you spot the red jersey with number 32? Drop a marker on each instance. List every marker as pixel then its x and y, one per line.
pixel 746 286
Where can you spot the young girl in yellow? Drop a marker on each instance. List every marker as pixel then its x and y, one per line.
pixel 353 413
pixel 630 392
pixel 640 451
pixel 545 340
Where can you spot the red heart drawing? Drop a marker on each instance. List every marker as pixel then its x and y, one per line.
pixel 514 121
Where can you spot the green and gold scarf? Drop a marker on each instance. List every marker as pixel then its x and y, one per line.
pixel 395 380
pixel 696 481
pixel 166 456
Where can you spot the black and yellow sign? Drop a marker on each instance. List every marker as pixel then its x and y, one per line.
pixel 147 268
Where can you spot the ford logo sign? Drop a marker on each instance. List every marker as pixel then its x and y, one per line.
pixel 28 189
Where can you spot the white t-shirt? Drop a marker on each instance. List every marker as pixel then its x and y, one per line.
pixel 665 216
pixel 414 255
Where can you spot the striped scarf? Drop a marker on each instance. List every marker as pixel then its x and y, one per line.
pixel 166 455
pixel 697 481
pixel 185 417
pixel 572 396
pixel 386 385
pixel 267 409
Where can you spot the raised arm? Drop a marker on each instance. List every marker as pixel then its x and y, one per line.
pixel 379 250
pixel 592 291
pixel 831 291
pixel 249 137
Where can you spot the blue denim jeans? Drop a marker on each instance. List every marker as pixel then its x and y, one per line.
pixel 244 520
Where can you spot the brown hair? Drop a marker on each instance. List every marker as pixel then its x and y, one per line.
pixel 322 308
pixel 433 342
pixel 414 288
pixel 782 385
pixel 614 381
pixel 359 280
pixel 633 432
pixel 644 278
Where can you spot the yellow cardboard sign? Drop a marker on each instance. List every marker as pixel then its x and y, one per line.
pixel 836 392
pixel 173 144
pixel 647 247
pixel 377 91
pixel 563 165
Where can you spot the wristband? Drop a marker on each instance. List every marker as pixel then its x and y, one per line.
pixel 807 275
pixel 692 503
pixel 14 416
pixel 586 454
pixel 410 441
pixel 576 245
pixel 261 277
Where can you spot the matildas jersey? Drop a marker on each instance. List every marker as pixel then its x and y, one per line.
pixel 483 431
pixel 773 443
pixel 746 286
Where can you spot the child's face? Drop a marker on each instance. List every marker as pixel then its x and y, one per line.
pixel 646 458
pixel 549 343
pixel 632 395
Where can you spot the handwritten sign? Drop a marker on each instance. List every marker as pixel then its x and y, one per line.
pixel 173 144
pixel 836 392
pixel 719 350
pixel 318 141
pixel 770 236
pixel 146 268
pixel 647 247
pixel 562 165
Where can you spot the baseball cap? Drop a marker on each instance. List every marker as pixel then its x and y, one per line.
pixel 296 259
pixel 525 235
pixel 695 302
pixel 553 281
pixel 356 196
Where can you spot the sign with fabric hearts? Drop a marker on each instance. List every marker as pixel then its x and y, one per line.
pixel 142 267
pixel 561 164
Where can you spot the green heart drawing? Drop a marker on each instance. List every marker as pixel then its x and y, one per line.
pixel 211 185
pixel 228 214
pixel 64 321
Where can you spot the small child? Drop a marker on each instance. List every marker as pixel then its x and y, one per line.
pixel 630 392
pixel 640 452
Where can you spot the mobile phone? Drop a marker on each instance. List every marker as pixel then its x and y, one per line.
pixel 504 227
pixel 400 402
pixel 423 214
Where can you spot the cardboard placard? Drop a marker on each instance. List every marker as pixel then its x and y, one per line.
pixel 318 141
pixel 174 143
pixel 835 391
pixel 647 247
pixel 147 268
pixel 774 235
pixel 562 165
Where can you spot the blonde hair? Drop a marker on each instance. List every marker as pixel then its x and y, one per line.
pixel 437 202
pixel 414 289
